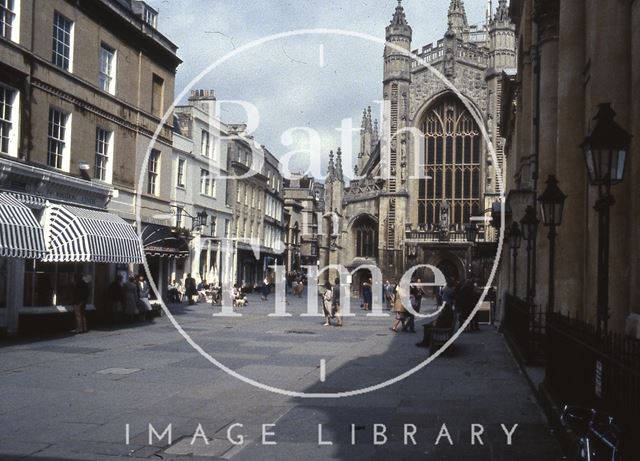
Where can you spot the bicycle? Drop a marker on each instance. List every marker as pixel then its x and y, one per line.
pixel 598 436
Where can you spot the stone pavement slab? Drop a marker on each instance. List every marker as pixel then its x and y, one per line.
pixel 72 397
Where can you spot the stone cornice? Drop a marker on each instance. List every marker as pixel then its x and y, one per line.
pixel 84 105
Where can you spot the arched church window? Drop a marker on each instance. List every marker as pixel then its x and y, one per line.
pixel 452 160
pixel 366 237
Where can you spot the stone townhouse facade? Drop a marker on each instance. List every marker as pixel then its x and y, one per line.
pixel 84 87
pixel 200 185
pixel 254 193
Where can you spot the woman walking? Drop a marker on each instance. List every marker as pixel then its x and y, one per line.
pixel 398 308
pixel 327 303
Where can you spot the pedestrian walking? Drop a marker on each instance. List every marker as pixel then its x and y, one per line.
pixel 81 297
pixel 336 308
pixel 387 294
pixel 327 304
pixel 130 299
pixel 398 308
pixel 265 288
pixel 144 306
pixel 416 295
pixel 190 289
pixel 366 295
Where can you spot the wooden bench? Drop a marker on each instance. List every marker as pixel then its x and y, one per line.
pixel 439 337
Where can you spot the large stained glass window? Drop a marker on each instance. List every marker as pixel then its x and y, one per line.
pixel 451 164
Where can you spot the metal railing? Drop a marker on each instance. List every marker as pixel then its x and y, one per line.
pixel 525 326
pixel 601 372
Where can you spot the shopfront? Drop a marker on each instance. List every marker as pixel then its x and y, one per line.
pixel 165 251
pixel 42 258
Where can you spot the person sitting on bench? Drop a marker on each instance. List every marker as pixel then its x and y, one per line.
pixel 445 320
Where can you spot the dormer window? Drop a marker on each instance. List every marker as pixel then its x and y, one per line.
pixel 150 16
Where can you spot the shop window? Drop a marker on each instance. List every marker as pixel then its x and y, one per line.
pixel 50 284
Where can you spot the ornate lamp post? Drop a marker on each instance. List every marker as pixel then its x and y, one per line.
pixel 605 153
pixel 552 206
pixel 515 240
pixel 471 234
pixel 529 226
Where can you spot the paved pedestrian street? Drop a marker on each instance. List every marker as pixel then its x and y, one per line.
pixel 81 397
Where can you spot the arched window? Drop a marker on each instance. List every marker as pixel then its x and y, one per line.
pixel 366 237
pixel 451 161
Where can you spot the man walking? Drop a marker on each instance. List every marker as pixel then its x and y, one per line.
pixel 337 310
pixel 190 288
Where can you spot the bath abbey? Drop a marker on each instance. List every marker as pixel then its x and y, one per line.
pixel 432 168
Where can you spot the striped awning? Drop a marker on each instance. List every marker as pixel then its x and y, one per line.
pixel 80 234
pixel 162 241
pixel 20 234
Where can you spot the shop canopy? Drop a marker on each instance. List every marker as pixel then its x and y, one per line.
pixel 162 241
pixel 84 235
pixel 20 234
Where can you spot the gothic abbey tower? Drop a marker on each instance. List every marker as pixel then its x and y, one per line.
pixel 414 194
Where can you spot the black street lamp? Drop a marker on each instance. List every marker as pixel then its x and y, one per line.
pixel 605 153
pixel 551 207
pixel 515 240
pixel 471 234
pixel 201 219
pixel 529 226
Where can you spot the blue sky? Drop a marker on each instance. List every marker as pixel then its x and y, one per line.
pixel 284 78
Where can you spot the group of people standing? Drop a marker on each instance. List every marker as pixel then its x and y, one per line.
pixel 129 299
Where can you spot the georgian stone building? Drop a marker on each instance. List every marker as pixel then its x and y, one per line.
pixel 200 159
pixel 84 85
pixel 255 196
pixel 414 193
pixel 303 202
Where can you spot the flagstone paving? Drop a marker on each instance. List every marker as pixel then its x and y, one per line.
pixel 73 397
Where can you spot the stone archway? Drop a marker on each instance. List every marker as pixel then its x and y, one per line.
pixel 446 261
pixel 449 269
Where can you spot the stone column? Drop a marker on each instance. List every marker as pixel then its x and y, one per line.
pixel 196 246
pixel 609 52
pixel 15 293
pixel 547 15
pixel 570 168
pixel 634 165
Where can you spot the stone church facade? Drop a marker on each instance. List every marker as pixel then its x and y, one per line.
pixel 426 171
